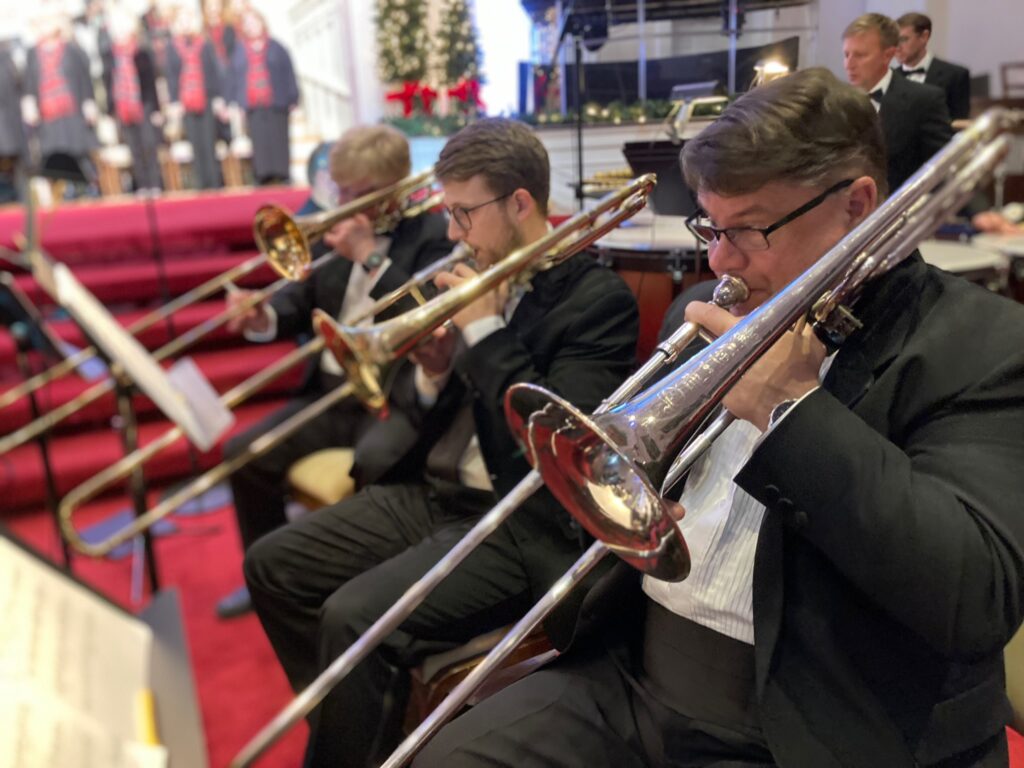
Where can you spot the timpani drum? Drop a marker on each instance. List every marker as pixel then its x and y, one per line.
pixel 657 256
pixel 985 266
pixel 1012 246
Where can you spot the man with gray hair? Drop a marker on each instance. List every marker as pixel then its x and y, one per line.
pixel 855 536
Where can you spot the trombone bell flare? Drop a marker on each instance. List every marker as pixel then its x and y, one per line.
pixel 361 371
pixel 283 241
pixel 583 471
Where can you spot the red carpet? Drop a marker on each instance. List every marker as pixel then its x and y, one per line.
pixel 239 682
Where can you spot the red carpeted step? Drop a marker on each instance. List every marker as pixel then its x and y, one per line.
pixel 75 458
pixel 140 282
pixel 223 368
pixel 183 321
pixel 110 231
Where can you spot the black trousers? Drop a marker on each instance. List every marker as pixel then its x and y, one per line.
pixel 201 131
pixel 259 488
pixel 321 582
pixel 590 709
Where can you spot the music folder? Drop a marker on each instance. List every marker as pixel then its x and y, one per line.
pixel 185 396
pixel 85 683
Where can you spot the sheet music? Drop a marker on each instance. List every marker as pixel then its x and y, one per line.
pixel 71 667
pixel 145 372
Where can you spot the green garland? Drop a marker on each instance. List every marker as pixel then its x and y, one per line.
pixel 402 40
pixel 456 49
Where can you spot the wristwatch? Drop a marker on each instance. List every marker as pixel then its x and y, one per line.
pixel 374 260
pixel 779 411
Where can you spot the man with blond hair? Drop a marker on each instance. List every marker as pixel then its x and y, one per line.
pixel 369 265
pixel 914 117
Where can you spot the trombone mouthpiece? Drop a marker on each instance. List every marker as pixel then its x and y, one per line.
pixel 729 291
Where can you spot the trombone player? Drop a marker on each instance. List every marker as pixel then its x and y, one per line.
pixel 364 159
pixel 319 582
pixel 856 536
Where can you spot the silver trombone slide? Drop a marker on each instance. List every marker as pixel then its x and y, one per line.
pixel 458 696
pixel 728 292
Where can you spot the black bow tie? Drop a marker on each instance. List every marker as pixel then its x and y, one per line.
pixel 877 95
pixel 918 71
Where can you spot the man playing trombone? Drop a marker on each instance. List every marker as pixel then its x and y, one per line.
pixel 855 536
pixel 365 159
pixel 318 583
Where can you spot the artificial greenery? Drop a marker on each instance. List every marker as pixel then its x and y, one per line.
pixel 402 40
pixel 455 46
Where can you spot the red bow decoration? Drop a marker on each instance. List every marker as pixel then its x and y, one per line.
pixel 427 96
pixel 468 92
pixel 405 95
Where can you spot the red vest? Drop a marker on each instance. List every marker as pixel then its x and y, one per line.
pixel 55 97
pixel 127 97
pixel 191 85
pixel 259 92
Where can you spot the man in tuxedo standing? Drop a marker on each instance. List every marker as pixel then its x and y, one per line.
pixel 915 120
pixel 919 64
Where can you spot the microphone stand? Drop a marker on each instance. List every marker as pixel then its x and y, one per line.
pixel 572 24
pixel 23 342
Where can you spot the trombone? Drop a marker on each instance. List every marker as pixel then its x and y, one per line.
pixel 606 470
pixel 284 242
pixel 369 350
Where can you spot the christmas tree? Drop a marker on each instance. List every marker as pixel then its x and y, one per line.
pixel 402 40
pixel 457 52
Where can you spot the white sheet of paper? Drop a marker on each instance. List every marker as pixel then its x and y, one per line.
pixel 71 666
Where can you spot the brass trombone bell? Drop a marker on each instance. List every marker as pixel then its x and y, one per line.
pixel 286 240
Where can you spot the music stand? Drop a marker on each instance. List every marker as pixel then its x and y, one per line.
pixel 183 396
pixel 31 332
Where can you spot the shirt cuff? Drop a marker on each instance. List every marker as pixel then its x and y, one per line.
pixel 428 387
pixel 480 329
pixel 268 335
pixel 378 273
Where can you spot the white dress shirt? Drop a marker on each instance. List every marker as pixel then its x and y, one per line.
pixel 721 527
pixel 357 302
pixel 925 63
pixel 472 468
pixel 883 86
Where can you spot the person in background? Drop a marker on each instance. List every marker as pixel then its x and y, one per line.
pixel 58 102
pixel 919 64
pixel 914 117
pixel 196 88
pixel 130 78
pixel 265 91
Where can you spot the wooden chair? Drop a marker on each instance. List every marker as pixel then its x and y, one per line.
pixel 435 678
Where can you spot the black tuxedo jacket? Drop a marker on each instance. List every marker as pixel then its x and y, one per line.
pixel 889 570
pixel 415 243
pixel 916 125
pixel 574 332
pixel 955 82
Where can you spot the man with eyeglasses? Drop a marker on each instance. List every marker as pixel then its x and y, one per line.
pixel 319 583
pixel 856 537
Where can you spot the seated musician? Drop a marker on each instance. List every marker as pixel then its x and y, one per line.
pixel 365 159
pixel 318 583
pixel 856 535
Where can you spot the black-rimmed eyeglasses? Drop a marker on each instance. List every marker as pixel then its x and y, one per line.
pixel 753 238
pixel 460 213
